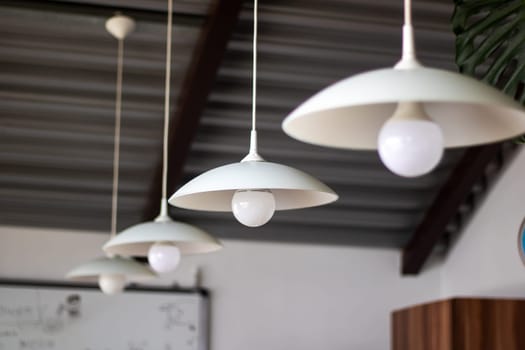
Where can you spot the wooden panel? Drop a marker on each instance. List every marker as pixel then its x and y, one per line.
pixel 461 324
pixel 423 327
pixel 485 324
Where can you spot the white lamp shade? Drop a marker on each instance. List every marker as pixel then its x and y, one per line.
pixel 91 270
pixel 350 113
pixel 137 240
pixel 214 189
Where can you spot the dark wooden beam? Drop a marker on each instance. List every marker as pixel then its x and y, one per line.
pixel 470 169
pixel 197 85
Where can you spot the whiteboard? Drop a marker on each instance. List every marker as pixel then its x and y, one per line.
pixel 54 317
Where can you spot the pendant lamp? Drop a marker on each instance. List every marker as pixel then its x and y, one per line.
pixel 253 188
pixel 113 272
pixel 163 240
pixel 408 112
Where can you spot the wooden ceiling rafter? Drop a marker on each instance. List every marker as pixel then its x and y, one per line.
pixel 457 190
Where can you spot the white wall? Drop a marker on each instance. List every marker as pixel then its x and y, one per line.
pixel 265 296
pixel 485 260
pixel 284 296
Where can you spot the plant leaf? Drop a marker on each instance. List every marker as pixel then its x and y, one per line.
pixel 490 42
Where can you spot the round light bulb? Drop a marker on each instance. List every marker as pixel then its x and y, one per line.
pixel 112 284
pixel 410 145
pixel 253 207
pixel 163 257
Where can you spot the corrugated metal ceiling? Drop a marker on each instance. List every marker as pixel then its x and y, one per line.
pixel 57 88
pixel 57 72
pixel 303 47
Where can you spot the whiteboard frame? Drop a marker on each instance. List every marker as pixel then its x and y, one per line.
pixel 204 293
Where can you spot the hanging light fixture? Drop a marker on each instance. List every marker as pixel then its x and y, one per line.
pixel 408 112
pixel 114 272
pixel 253 188
pixel 163 240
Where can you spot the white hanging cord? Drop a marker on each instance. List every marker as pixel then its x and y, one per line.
pixel 116 147
pixel 164 206
pixel 254 66
pixel 253 155
pixel 408 12
pixel 408 59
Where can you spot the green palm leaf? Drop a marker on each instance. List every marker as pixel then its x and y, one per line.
pixel 490 42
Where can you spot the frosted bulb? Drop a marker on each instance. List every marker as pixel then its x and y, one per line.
pixel 112 284
pixel 253 207
pixel 410 144
pixel 163 257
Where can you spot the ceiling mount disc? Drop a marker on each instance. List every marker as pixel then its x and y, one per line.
pixel 120 26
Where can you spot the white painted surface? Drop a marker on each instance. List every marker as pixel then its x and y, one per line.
pixel 279 296
pixel 264 296
pixel 485 259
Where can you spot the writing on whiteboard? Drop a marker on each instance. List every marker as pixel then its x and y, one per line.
pixel 62 319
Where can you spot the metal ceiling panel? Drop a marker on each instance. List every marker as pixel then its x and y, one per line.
pixel 57 76
pixel 57 90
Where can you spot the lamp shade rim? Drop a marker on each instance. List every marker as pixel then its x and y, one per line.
pixel 350 113
pixel 136 240
pixel 213 190
pixel 117 265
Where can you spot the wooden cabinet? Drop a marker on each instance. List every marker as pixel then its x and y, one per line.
pixel 461 324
